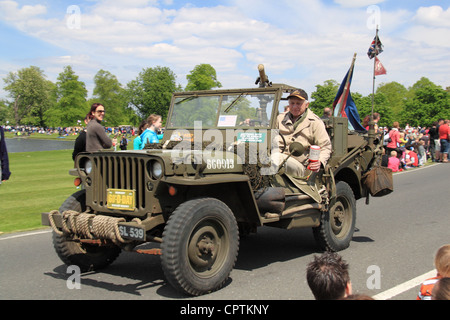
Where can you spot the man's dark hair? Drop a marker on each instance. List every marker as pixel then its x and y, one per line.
pixel 328 276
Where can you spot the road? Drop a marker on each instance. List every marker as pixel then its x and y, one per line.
pixel 395 241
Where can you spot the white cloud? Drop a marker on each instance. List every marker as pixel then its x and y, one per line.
pixel 357 3
pixel 9 11
pixel 302 43
pixel 433 16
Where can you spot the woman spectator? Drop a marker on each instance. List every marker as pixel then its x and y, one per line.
pixel 394 136
pixel 97 138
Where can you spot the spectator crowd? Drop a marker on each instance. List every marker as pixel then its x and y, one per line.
pixel 411 147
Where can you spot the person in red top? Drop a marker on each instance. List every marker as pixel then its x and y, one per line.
pixel 394 135
pixel 444 136
pixel 411 159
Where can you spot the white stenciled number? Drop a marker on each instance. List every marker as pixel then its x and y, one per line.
pixel 220 164
pixel 134 232
pixel 137 233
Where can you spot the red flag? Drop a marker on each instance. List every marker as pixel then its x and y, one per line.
pixel 379 69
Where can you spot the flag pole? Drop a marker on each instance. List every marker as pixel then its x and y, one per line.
pixel 371 122
pixel 374 68
pixel 345 92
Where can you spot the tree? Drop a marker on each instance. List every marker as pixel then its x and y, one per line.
pixel 71 103
pixel 428 103
pixel 396 95
pixel 31 94
pixel 109 92
pixel 152 91
pixel 381 106
pixel 202 77
pixel 6 115
pixel 324 96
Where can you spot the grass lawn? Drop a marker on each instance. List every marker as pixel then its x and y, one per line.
pixel 40 182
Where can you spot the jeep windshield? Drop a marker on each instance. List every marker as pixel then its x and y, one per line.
pixel 222 110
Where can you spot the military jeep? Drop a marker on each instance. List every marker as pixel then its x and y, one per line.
pixel 208 182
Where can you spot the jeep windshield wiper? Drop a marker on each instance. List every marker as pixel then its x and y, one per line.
pixel 234 102
pixel 186 99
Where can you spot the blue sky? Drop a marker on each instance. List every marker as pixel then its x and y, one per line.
pixel 301 43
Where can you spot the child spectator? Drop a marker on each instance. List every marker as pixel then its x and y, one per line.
pixel 442 264
pixel 411 159
pixel 137 141
pixel 123 143
pixel 394 162
pixel 421 152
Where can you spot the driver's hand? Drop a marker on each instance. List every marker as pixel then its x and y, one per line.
pixel 314 166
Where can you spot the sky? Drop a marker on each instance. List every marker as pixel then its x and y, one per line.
pixel 301 43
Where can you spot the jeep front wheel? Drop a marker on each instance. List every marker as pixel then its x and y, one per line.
pixel 200 246
pixel 337 225
pixel 73 252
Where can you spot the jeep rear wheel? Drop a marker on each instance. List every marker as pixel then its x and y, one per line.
pixel 86 256
pixel 200 246
pixel 338 224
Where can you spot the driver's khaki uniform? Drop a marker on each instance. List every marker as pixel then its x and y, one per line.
pixel 311 131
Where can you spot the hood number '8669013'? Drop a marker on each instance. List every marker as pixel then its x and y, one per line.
pixel 220 163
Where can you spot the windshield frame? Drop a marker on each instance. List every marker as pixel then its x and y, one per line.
pixel 220 110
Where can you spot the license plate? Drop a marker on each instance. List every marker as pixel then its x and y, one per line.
pixel 121 199
pixel 130 232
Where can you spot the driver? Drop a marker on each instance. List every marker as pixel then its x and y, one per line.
pixel 302 125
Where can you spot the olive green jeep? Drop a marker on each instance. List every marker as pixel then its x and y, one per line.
pixel 207 183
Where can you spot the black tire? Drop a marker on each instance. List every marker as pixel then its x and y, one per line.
pixel 87 257
pixel 200 246
pixel 338 224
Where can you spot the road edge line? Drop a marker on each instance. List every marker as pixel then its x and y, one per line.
pixel 25 235
pixel 405 286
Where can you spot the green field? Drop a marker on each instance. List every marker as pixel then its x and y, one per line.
pixel 39 182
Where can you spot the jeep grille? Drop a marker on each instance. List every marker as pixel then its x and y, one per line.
pixel 118 172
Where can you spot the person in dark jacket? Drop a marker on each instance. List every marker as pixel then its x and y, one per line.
pixel 80 142
pixel 4 160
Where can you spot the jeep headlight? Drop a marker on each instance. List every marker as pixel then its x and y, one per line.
pixel 88 166
pixel 156 169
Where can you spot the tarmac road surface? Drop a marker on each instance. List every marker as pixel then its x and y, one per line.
pixel 391 252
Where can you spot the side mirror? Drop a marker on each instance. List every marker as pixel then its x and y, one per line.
pixel 296 149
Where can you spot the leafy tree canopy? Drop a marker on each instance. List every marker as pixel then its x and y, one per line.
pixel 152 91
pixel 202 77
pixel 71 105
pixel 31 94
